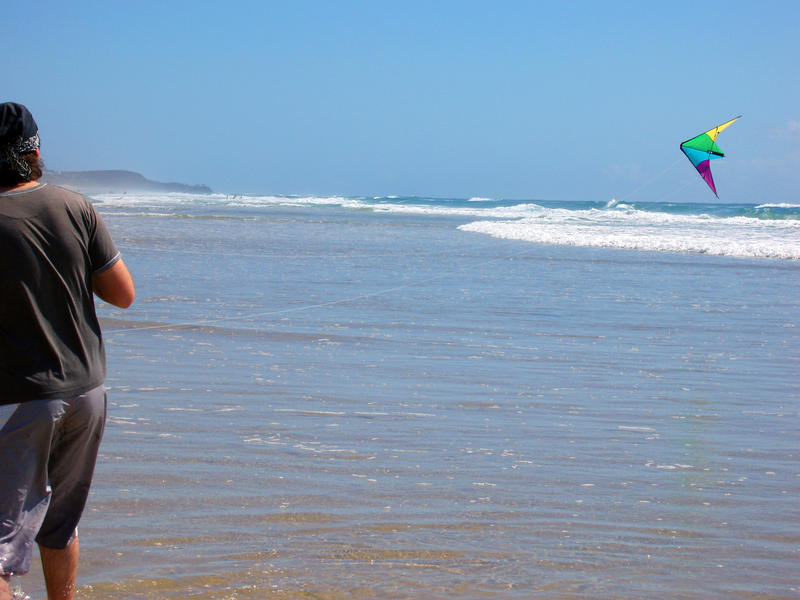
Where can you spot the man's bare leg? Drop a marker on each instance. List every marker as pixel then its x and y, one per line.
pixel 4 593
pixel 60 570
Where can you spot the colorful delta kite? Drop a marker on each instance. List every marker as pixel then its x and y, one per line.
pixel 702 149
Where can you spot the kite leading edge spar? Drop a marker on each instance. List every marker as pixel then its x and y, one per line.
pixel 700 150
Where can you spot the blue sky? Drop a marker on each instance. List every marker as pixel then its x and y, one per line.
pixel 525 100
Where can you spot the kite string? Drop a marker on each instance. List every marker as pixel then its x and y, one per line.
pixel 207 322
pixel 652 180
pixel 270 313
pixel 676 190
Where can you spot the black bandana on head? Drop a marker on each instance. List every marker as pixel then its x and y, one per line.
pixel 18 135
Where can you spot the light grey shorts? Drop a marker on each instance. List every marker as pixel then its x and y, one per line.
pixel 48 449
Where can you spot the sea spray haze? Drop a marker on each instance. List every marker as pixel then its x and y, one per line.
pixel 411 397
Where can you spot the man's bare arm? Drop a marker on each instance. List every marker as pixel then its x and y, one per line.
pixel 115 285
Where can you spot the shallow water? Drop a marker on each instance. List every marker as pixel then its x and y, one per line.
pixel 321 402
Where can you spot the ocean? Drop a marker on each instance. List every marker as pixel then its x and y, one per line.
pixel 385 398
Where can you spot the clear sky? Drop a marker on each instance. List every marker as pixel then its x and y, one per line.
pixel 521 100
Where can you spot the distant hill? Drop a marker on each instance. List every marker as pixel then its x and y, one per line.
pixel 98 182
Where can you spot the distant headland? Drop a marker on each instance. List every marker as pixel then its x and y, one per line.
pixel 101 182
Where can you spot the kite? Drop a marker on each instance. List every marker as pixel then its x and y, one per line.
pixel 702 149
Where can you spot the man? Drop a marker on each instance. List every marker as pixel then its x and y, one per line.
pixel 55 252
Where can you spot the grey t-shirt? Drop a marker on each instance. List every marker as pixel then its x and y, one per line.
pixel 51 243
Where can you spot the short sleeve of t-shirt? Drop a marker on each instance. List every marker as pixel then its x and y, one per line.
pixel 102 251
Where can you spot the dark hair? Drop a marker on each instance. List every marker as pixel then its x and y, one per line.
pixel 9 176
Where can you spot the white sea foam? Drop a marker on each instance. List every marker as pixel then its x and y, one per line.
pixel 505 212
pixel 651 231
pixel 614 225
pixel 149 199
